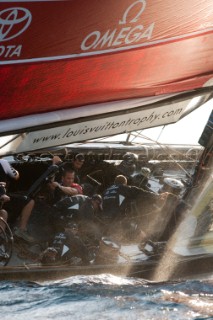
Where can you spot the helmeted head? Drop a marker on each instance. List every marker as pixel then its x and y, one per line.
pixel 130 158
pixel 142 178
pixel 120 179
pixel 128 164
pixel 48 256
pixel 97 201
pixel 146 172
pixel 78 160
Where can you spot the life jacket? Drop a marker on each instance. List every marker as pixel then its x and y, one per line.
pixel 68 246
pixel 73 202
pixel 68 208
pixel 60 243
pixel 113 200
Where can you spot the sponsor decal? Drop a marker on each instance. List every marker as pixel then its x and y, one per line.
pixel 102 127
pixel 135 24
pixel 13 22
pixel 10 51
pixel 128 32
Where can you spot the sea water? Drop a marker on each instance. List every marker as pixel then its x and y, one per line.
pixel 106 297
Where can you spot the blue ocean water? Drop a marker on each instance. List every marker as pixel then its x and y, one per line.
pixel 106 297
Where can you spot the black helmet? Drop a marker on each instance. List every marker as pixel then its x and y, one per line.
pixel 79 157
pixel 98 199
pixel 130 158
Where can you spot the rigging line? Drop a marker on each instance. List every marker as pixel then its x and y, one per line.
pixel 136 134
pixel 160 133
pixel 164 146
pixel 139 134
pixel 175 161
pixel 181 167
pixel 12 139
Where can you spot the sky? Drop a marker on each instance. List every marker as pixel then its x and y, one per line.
pixel 189 129
pixel 186 131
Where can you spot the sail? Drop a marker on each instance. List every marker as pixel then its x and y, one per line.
pixel 67 54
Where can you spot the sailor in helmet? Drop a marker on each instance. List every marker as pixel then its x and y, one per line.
pixel 128 165
pixel 76 222
pixel 83 210
pixel 118 195
pixel 66 247
pixel 141 179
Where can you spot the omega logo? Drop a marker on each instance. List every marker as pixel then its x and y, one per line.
pixel 13 22
pixel 142 3
pixel 128 32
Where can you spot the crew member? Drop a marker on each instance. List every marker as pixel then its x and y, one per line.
pixel 117 197
pixel 21 206
pixel 66 247
pixel 67 187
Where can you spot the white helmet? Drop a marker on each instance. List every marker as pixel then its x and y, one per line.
pixel 146 172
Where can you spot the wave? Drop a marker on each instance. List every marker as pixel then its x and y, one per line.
pixel 106 297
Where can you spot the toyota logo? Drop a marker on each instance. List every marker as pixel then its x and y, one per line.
pixel 13 22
